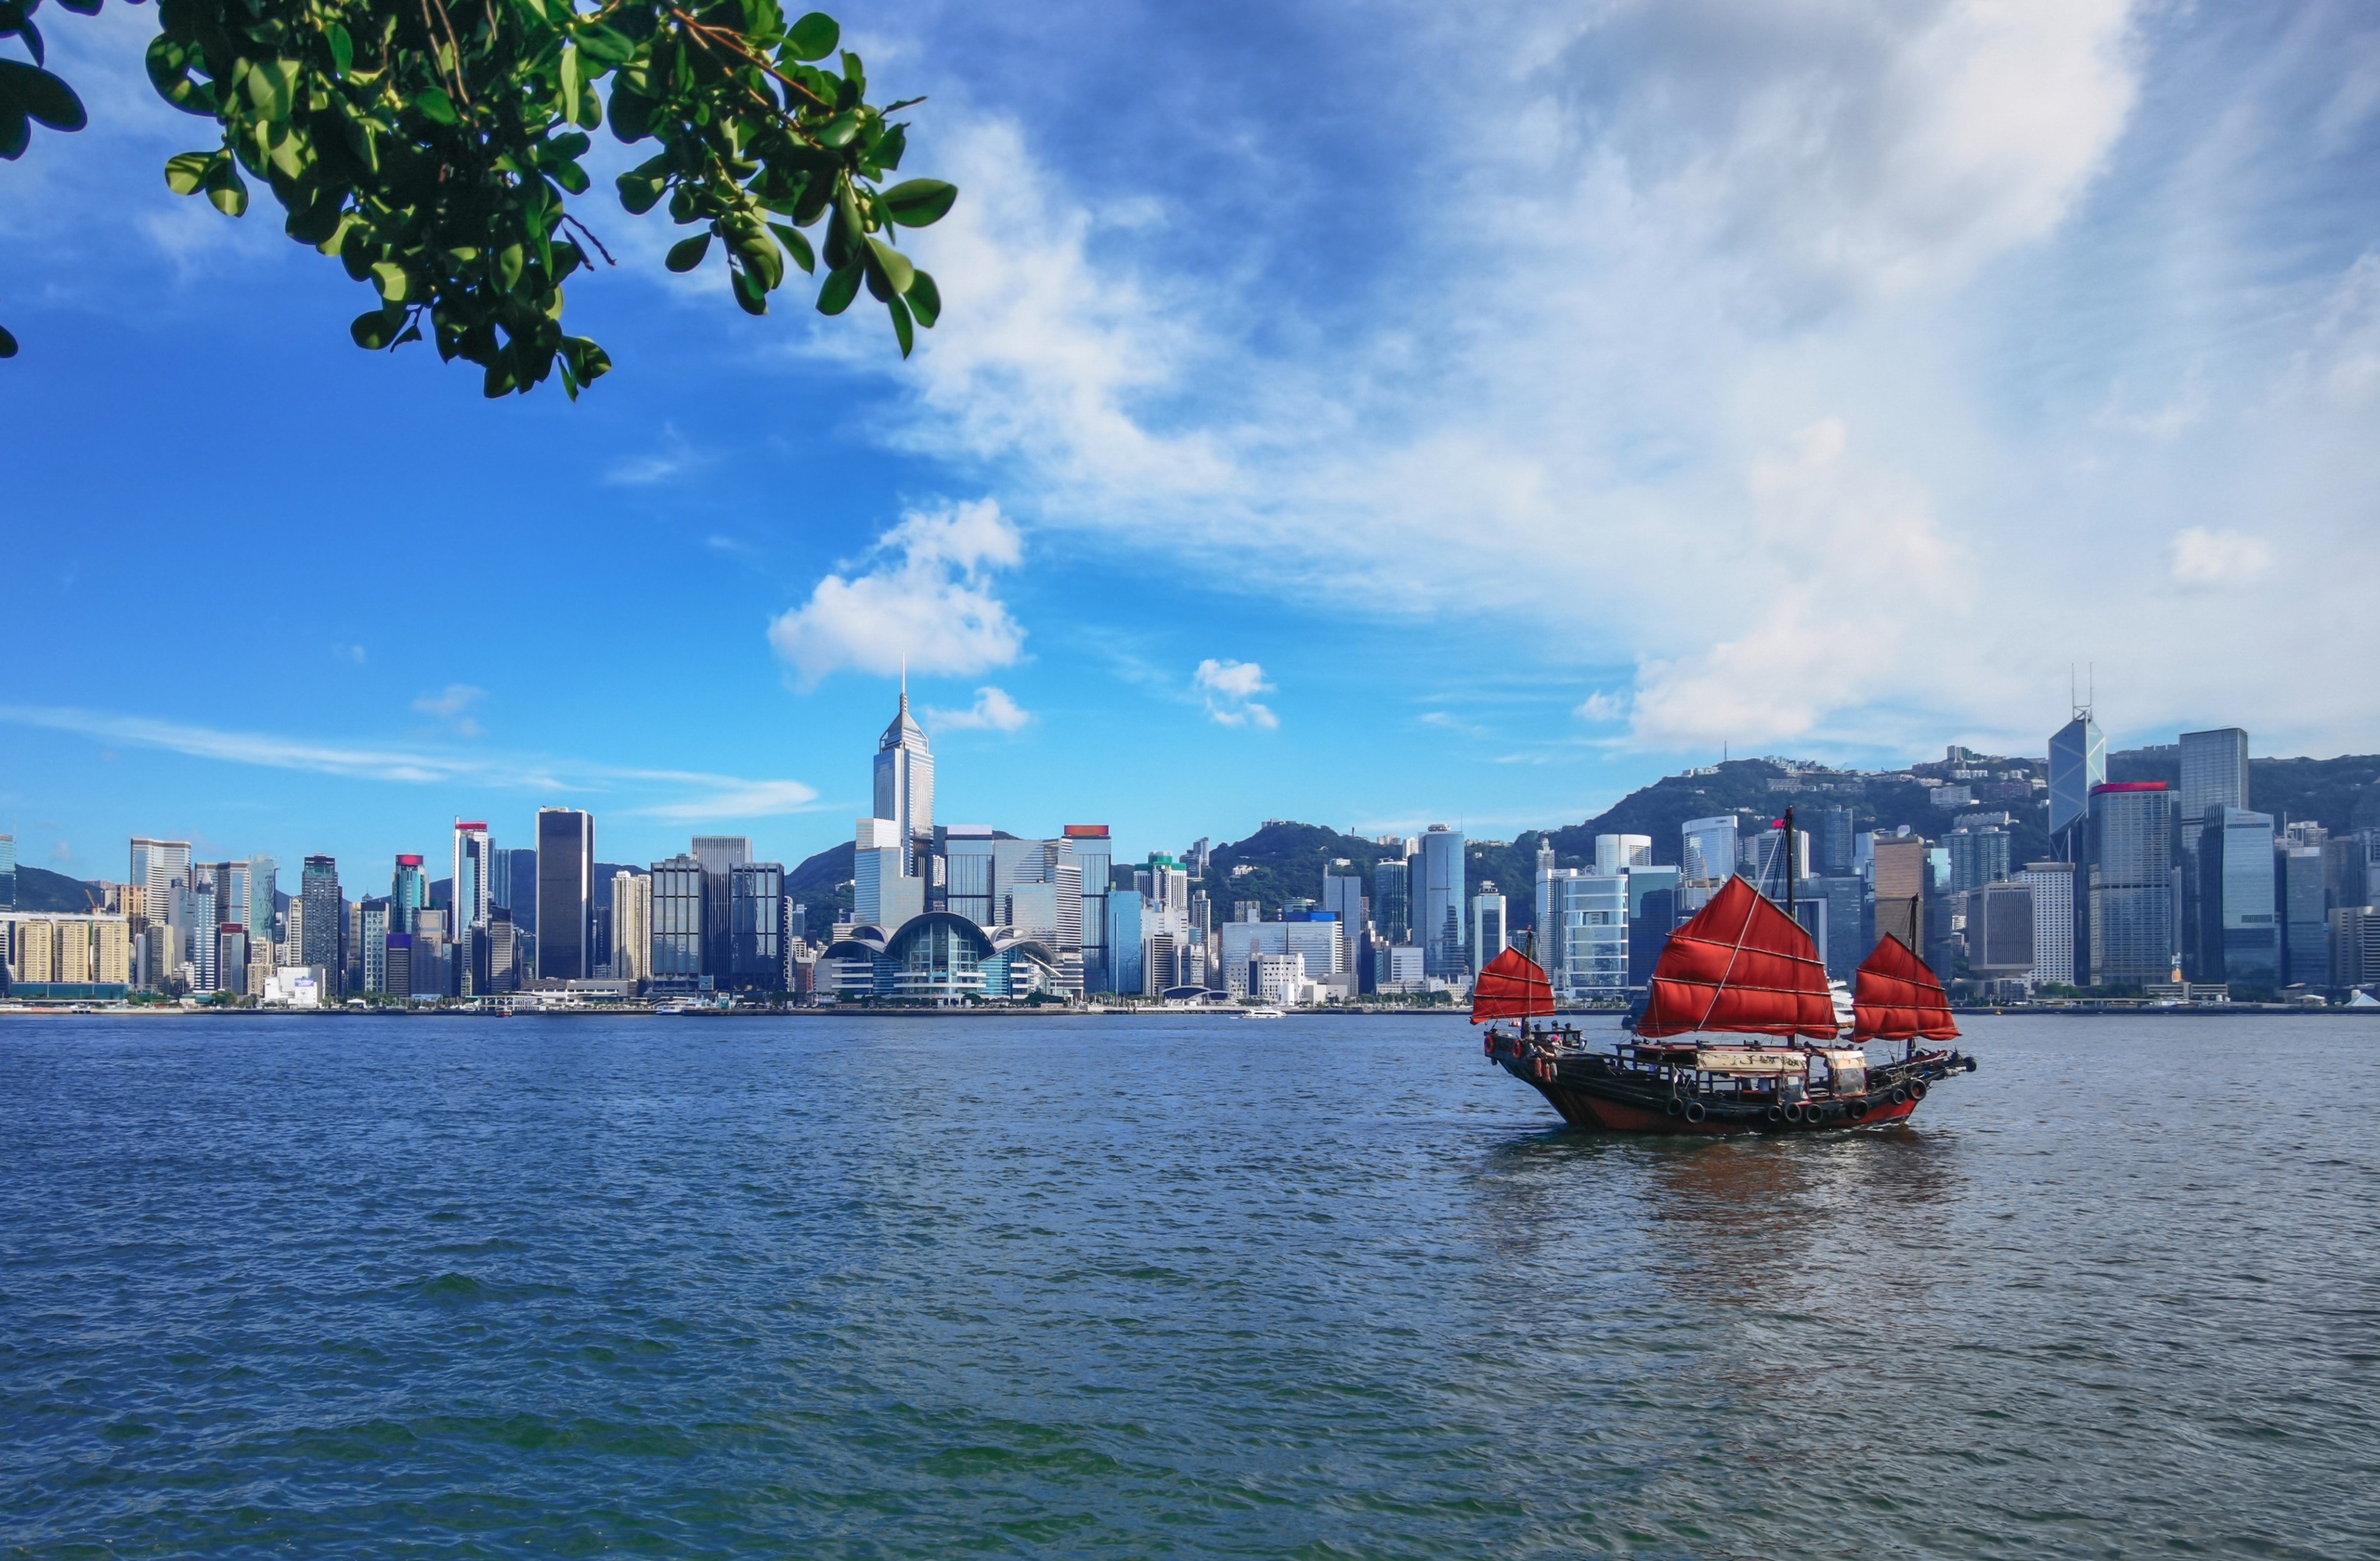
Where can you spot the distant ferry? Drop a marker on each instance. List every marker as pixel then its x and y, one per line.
pixel 1744 968
pixel 1263 1014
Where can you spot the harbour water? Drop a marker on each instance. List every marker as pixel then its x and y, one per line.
pixel 1314 1287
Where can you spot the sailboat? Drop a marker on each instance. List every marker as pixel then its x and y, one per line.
pixel 1739 1031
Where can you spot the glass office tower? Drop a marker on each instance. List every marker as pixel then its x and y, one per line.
pixel 2129 864
pixel 1438 904
pixel 2078 762
pixel 756 925
pixel 680 921
pixel 1095 855
pixel 1393 901
pixel 2238 926
pixel 565 893
pixel 474 875
pixel 325 921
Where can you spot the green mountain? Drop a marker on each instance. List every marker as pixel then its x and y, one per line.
pixel 40 889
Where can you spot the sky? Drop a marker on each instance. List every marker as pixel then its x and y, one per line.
pixel 1374 416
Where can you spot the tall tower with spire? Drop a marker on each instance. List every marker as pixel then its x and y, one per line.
pixel 905 784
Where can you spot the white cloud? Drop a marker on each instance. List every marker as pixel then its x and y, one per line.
pixel 676 458
pixel 2208 559
pixel 1602 705
pixel 927 596
pixel 450 702
pixel 694 794
pixel 992 711
pixel 1229 688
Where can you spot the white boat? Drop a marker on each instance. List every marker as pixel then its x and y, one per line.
pixel 1263 1014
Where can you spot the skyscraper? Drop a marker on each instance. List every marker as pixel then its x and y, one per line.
pixel 162 867
pixel 905 785
pixel 1487 913
pixel 1095 854
pixel 1977 857
pixel 476 872
pixel 2052 886
pixel 679 923
pixel 1344 898
pixel 632 926
pixel 7 872
pixel 565 893
pixel 2305 917
pixel 1392 900
pixel 326 922
pixel 1438 903
pixel 1706 853
pixel 1833 829
pixel 2214 773
pixel 2127 863
pixel 756 953
pixel 1903 878
pixel 2239 931
pixel 263 903
pixel 2078 761
pixel 408 891
pixel 720 856
pixel 1618 853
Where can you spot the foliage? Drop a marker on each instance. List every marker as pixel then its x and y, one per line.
pixel 431 146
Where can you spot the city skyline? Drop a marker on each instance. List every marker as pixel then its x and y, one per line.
pixel 1861 471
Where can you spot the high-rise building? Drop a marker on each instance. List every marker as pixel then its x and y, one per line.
pixel 2129 900
pixel 1615 854
pixel 680 890
pixel 2214 771
pixel 1342 895
pixel 1977 857
pixel 882 896
pixel 1833 829
pixel 409 892
pixel 326 921
pixel 2051 884
pixel 565 894
pixel 516 888
pixel 1765 849
pixel 7 872
pixel 1392 900
pixel 1582 926
pixel 1127 919
pixel 905 785
pixel 2305 917
pixel 1438 903
pixel 373 918
pixel 1707 851
pixel 1095 856
pixel 1844 945
pixel 970 866
pixel 476 872
pixel 720 856
pixel 756 925
pixel 1904 880
pixel 2355 945
pixel 2078 761
pixel 1999 932
pixel 2238 930
pixel 263 901
pixel 162 868
pixel 632 926
pixel 1487 916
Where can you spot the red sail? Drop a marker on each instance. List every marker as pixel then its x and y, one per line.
pixel 1897 998
pixel 1743 965
pixel 1511 987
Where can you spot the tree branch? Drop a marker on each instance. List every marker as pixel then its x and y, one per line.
pixel 733 41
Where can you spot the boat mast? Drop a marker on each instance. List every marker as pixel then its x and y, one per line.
pixel 1788 863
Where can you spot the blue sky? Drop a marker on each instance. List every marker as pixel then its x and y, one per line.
pixel 1371 415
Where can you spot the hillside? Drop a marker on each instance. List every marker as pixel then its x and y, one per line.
pixel 40 889
pixel 2340 794
pixel 821 881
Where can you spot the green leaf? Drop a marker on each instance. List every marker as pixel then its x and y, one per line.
pixel 570 78
pixel 798 244
pixel 437 106
pixel 925 300
pixel 890 266
pixel 751 293
pixel 225 187
pixel 839 130
pixel 187 174
pixel 631 114
pixel 376 328
pixel 40 96
pixel 840 288
pixel 8 343
pixel 901 331
pixel 15 130
pixel 32 37
pixel 639 193
pixel 812 38
pixel 342 49
pixel 79 7
pixel 917 203
pixel 606 44
pixel 510 260
pixel 392 279
pixel 687 253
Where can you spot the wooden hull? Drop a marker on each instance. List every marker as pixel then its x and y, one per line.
pixel 1590 1093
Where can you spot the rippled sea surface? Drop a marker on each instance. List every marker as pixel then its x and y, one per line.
pixel 826 1286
